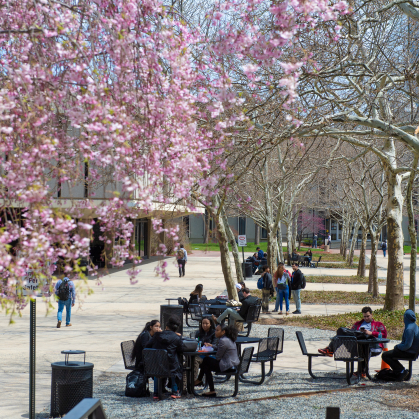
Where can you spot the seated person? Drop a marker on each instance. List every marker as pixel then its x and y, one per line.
pixel 260 253
pixel 294 255
pixel 370 327
pixel 240 292
pixel 143 338
pixel 206 332
pixel 408 348
pixel 308 256
pixel 196 294
pixel 226 357
pixel 172 343
pixel 255 262
pixel 240 315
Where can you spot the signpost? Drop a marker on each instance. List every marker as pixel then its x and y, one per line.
pixel 241 239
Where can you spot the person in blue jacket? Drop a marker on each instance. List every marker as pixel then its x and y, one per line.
pixel 408 348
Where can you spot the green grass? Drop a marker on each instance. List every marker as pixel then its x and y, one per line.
pixel 329 279
pixel 213 247
pixel 407 249
pixel 392 320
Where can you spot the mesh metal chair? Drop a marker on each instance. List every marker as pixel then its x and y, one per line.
pixel 267 351
pixel 126 349
pixel 156 364
pixel 345 348
pixel 315 264
pixel 277 332
pixel 411 360
pixel 241 369
pixel 252 316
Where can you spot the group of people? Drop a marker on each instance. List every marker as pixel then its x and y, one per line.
pixel 257 259
pixel 222 338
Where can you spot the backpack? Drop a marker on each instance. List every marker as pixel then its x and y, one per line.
pixel 260 283
pixel 63 292
pixel 303 281
pixel 180 254
pixel 136 385
pixel 385 374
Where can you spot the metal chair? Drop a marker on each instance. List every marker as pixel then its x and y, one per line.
pixel 156 364
pixel 241 369
pixel 252 316
pixel 126 349
pixel 411 360
pixel 345 348
pixel 277 332
pixel 267 351
pixel 315 264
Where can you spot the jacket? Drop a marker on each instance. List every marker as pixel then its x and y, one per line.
pixel 410 338
pixel 227 353
pixel 240 295
pixel 173 344
pixel 297 280
pixel 246 303
pixel 261 254
pixel 267 281
pixel 193 298
pixel 208 337
pixel 140 344
pixel 376 328
pixel 72 289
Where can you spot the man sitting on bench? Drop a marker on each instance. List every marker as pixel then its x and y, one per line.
pixel 408 348
pixel 240 315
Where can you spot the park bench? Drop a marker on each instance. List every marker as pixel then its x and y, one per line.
pixel 315 264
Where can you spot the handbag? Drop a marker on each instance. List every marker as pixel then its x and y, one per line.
pixel 189 345
pixel 282 285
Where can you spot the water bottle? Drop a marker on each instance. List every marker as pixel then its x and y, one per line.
pixel 380 335
pixel 199 345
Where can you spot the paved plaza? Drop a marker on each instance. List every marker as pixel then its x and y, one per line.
pixel 118 311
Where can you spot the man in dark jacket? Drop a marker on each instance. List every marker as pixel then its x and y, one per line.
pixel 172 343
pixel 296 285
pixel 240 315
pixel 266 290
pixel 408 348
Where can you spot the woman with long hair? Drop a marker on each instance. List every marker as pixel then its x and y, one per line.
pixel 196 294
pixel 150 329
pixel 226 357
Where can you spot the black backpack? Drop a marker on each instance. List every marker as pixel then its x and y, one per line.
pixel 385 374
pixel 303 281
pixel 63 292
pixel 136 385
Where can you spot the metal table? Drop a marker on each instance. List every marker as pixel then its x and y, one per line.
pixel 190 379
pixel 363 347
pixel 242 340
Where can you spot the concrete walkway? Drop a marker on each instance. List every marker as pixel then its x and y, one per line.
pixel 118 311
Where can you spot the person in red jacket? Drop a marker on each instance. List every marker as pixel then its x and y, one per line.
pixel 367 325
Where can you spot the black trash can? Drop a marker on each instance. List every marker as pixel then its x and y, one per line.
pixel 248 268
pixel 167 311
pixel 71 382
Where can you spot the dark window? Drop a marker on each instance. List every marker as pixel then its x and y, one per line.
pixel 264 233
pixel 242 225
pixel 86 176
pixel 186 224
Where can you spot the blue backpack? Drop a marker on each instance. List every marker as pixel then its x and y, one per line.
pixel 260 283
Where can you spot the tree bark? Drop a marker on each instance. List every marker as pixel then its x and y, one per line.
pixel 394 293
pixel 272 249
pixel 353 242
pixel 361 265
pixel 413 238
pixel 373 271
pixel 234 249
pixel 289 240
pixel 206 232
pixel 280 250
pixel 257 234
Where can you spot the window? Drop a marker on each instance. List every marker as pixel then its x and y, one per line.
pixel 242 225
pixel 186 224
pixel 264 233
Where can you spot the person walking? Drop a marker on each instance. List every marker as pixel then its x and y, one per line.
pixel 281 283
pixel 66 293
pixel 315 242
pixel 267 288
pixel 329 239
pixel 182 258
pixel 296 286
pixel 384 247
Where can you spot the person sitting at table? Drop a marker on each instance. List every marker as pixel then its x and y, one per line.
pixel 260 253
pixel 206 332
pixel 407 348
pixel 370 327
pixel 172 343
pixel 196 294
pixel 143 338
pixel 308 256
pixel 294 255
pixel 225 359
pixel 255 262
pixel 240 315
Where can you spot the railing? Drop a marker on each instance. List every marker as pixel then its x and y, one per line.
pixel 87 409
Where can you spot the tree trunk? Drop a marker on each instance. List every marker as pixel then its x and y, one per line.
pixel 394 292
pixel 373 271
pixel 289 240
pixel 346 239
pixel 413 239
pixel 207 224
pixel 257 234
pixel 234 249
pixel 361 265
pixel 294 234
pixel 342 238
pixel 280 250
pixel 225 262
pixel 353 242
pixel 272 249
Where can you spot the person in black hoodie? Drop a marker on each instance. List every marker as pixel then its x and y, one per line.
pixel 143 338
pixel 206 332
pixel 267 289
pixel 172 343
pixel 296 286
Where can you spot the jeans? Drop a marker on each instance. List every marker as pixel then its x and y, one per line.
pixel 208 365
pixel 233 316
pixel 67 305
pixel 391 358
pixel 156 385
pixel 266 295
pixel 315 245
pixel 280 295
pixel 384 252
pixel 297 299
pixel 181 264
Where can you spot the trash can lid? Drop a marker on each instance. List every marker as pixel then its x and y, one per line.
pixel 73 352
pixel 72 365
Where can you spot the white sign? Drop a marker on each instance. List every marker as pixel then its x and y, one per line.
pixel 242 240
pixel 30 283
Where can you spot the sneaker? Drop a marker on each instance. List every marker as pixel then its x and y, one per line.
pixel 296 312
pixel 402 375
pixel 58 325
pixel 156 397
pixel 325 352
pixel 280 312
pixel 69 324
pixel 274 311
pixel 176 395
